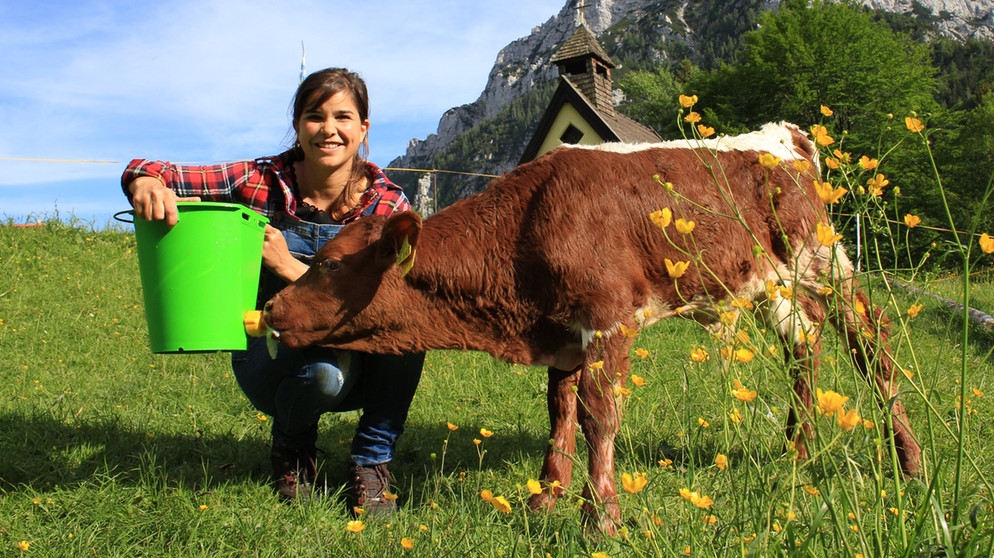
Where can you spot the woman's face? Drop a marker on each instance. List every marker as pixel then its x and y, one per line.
pixel 330 134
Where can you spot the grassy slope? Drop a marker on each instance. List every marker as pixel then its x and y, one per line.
pixel 110 450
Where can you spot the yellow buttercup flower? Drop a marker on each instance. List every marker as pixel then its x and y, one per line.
pixel 912 221
pixel 355 526
pixel 662 217
pixel 876 185
pixel 486 433
pixel 826 234
pixel 687 101
pixel 868 163
pixel 407 543
pixel 821 136
pixel 744 355
pixel 741 392
pixel 913 310
pixel 498 502
pixel 705 131
pixel 769 160
pixel 913 124
pixel 827 193
pixel 742 302
pixel 859 307
pixel 693 117
pixel 451 427
pixel 633 484
pixel 772 290
pixel 987 243
pixel 683 226
pixel 728 318
pixel 703 423
pixel 826 111
pixel 699 500
pixel 802 165
pixel 721 461
pixel 676 269
pixel 848 419
pixel 829 401
pixel 638 381
pixel 699 355
pixel 641 353
pixel 628 332
pixel 534 486
pixel 735 415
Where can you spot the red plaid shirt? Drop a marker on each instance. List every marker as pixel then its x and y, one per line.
pixel 265 185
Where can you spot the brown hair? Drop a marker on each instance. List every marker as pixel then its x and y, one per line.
pixel 313 92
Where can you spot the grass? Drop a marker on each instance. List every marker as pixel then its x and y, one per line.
pixel 110 450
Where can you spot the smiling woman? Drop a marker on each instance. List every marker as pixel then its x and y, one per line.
pixel 308 193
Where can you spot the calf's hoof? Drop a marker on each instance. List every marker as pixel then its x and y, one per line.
pixel 543 501
pixel 604 520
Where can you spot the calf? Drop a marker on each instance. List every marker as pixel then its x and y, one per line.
pixel 558 263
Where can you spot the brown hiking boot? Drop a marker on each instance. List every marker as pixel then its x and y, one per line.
pixel 294 470
pixel 370 491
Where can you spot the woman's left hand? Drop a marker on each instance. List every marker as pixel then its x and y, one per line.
pixel 276 256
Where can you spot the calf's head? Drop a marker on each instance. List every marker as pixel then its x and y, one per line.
pixel 353 291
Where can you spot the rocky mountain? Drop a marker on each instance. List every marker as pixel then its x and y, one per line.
pixel 642 33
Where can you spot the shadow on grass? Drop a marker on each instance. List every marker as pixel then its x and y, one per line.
pixel 42 453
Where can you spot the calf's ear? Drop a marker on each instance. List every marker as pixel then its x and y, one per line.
pixel 399 240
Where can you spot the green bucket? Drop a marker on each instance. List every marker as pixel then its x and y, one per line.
pixel 200 276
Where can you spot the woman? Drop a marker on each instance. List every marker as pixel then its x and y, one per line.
pixel 308 193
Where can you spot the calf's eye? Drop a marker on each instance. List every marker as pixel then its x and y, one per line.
pixel 331 265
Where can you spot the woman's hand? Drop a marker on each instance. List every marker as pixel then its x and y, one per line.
pixel 153 201
pixel 277 257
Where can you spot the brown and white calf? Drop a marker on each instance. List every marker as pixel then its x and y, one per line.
pixel 546 265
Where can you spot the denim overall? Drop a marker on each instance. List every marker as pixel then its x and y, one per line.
pixel 298 386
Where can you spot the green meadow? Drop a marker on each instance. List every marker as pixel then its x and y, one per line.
pixel 110 450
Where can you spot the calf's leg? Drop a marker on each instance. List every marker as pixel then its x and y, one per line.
pixel 797 322
pixel 802 341
pixel 557 468
pixel 600 419
pixel 866 334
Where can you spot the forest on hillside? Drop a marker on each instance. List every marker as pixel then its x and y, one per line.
pixel 870 70
pixel 749 66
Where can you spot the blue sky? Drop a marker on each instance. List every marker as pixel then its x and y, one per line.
pixel 203 81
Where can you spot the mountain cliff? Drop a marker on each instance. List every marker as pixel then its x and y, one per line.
pixel 638 33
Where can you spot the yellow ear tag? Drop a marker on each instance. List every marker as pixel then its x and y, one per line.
pixel 255 326
pixel 405 257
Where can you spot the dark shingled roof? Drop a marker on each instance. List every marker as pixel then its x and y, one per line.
pixel 582 44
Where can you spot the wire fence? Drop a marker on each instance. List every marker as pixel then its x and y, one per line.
pixel 435 172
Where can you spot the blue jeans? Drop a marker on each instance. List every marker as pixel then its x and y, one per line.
pixel 298 386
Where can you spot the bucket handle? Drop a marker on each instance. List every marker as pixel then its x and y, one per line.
pixel 117 216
